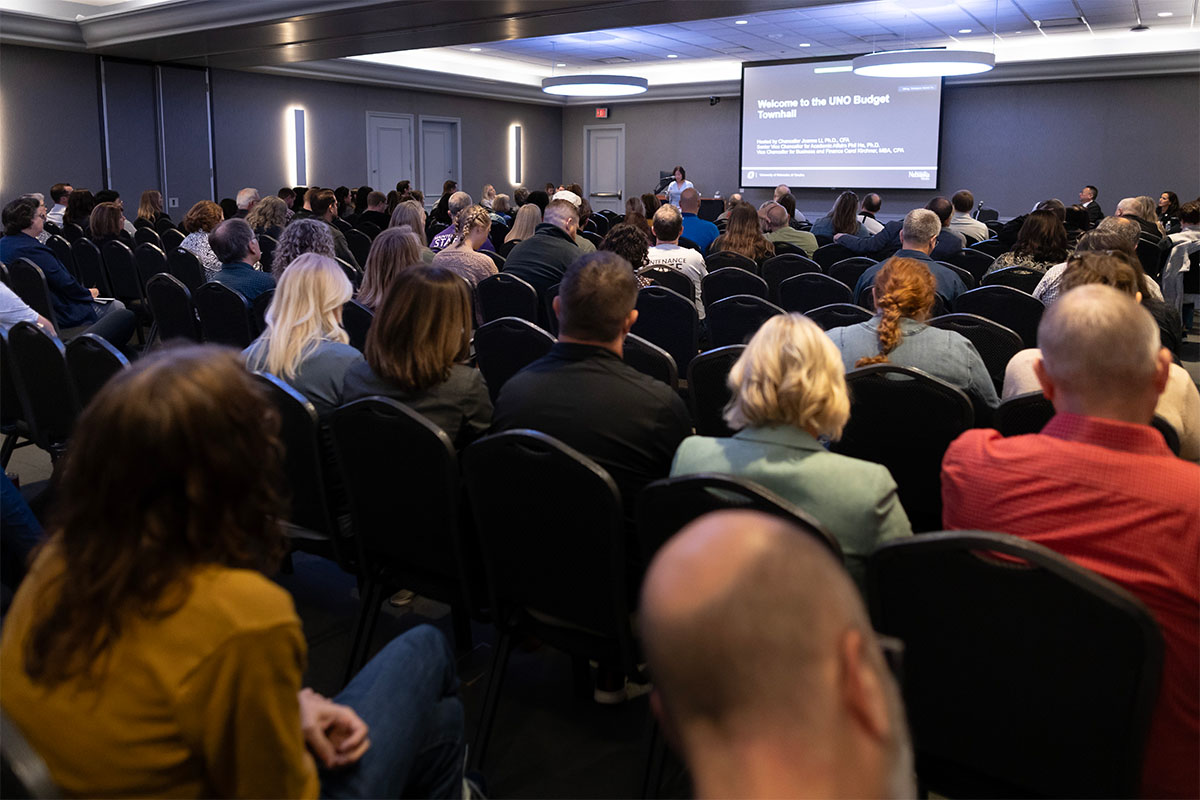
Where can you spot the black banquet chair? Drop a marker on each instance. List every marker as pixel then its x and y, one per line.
pixel 1016 310
pixel 838 315
pixel 224 315
pixel 147 235
pixel 670 321
pixel 579 584
pixel 1021 278
pixel 92 362
pixel 506 346
pixel 727 258
pixel 829 254
pixel 672 279
pixel 973 261
pixel 1029 413
pixel 708 389
pixel 802 293
pixel 730 281
pixel 357 319
pixel 778 269
pixel 736 319
pixel 360 245
pixel 989 247
pixel 1024 674
pixel 62 250
pixel 44 386
pixel 28 282
pixel 150 261
pixel 996 344
pixel 504 295
pixel 171 303
pixel 650 359
pixel 89 265
pixel 184 265
pixel 934 413
pixel 849 270
pixel 172 238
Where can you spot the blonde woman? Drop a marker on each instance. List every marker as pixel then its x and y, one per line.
pixel 788 389
pixel 528 218
pixel 463 257
pixel 412 214
pixel 392 252
pixel 268 217
pixel 304 344
pixel 150 208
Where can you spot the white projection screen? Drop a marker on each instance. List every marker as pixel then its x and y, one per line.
pixel 815 124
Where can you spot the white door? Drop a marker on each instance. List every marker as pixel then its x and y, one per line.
pixel 440 155
pixel 604 155
pixel 389 149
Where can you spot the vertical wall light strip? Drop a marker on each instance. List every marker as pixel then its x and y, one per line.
pixel 107 176
pixel 212 145
pixel 162 136
pixel 300 144
pixel 514 154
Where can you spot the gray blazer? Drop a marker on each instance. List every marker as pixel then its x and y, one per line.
pixel 855 500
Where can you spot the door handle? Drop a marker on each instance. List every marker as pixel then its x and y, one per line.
pixel 605 194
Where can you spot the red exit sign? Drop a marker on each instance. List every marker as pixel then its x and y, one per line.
pixel 602 112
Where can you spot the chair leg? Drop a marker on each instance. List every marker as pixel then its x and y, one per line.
pixel 366 589
pixel 491 700
pixel 373 611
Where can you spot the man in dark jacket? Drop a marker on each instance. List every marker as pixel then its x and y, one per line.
pixel 543 258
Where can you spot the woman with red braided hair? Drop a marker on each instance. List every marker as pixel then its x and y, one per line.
pixel 897 334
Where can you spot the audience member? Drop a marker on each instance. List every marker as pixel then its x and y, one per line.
pixel 148 653
pixel 325 208
pixel 585 246
pixel 744 236
pixel 769 680
pixel 788 388
pixel 1168 212
pixel 150 209
pixel 1142 211
pixel 520 196
pixel 774 219
pixel 629 243
pixel 13 310
pixel 635 214
pixel 472 227
pixel 393 251
pixel 700 231
pixel 668 226
pixel 300 237
pixel 198 223
pixel 918 235
pixel 1179 260
pixel 1076 222
pixel 59 193
pixel 268 217
pixel 1041 244
pixel 411 213
pixel 1179 404
pixel 342 195
pixel 788 201
pixel 1113 233
pixel 842 218
pixel 1087 198
pixel 543 258
pixel 871 204
pixel 1099 485
pixel 650 203
pixel 455 204
pixel 107 224
pixel 235 244
pixel 304 198
pixel 79 209
pixel 529 216
pixel 904 296
pixel 247 199
pixel 487 197
pixel 962 221
pixel 416 349
pixel 304 343
pixel 501 210
pixel 782 191
pixel 442 212
pixel 945 243
pixel 114 197
pixel 75 307
pixel 20 531
pixel 730 202
pixel 228 208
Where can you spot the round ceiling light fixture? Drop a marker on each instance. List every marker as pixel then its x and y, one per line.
pixel 923 63
pixel 594 85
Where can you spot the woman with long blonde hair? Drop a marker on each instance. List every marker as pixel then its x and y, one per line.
pixel 150 208
pixel 268 217
pixel 304 343
pixel 905 292
pixel 393 251
pixel 412 214
pixel 788 388
pixel 529 216
pixel 744 235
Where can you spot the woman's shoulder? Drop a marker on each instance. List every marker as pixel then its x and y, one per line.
pixel 336 351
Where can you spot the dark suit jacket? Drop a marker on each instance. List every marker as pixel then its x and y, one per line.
pixel 1094 212
pixel 887 241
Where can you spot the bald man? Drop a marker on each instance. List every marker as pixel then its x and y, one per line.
pixel 768 678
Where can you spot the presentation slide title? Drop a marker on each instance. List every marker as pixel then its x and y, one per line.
pixel 788 108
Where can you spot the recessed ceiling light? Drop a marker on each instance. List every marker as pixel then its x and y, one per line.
pixel 742 22
pixel 1165 14
pixel 672 55
pixel 476 49
pixel 964 30
pixel 805 44
pixel 560 64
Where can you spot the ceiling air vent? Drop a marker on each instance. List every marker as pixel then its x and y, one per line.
pixel 733 51
pixel 1062 23
pixel 614 60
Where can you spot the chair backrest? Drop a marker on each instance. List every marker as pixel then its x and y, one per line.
pixel 838 315
pixel 1168 433
pixel 71 231
pixel 964 274
pixel 150 261
pixel 360 245
pixel 1001 636
pixel 602 225
pixel 62 249
pixel 727 282
pixel 369 228
pixel 172 238
pixel 267 245
pixel 224 315
pixel 357 319
pixel 1012 308
pixel 549 319
pixel 670 321
pixel 778 269
pixel 735 319
pixel 90 265
pixel 666 506
pixel 592 237
pixel 258 310
pixel 829 254
pixel 353 274
pixel 987 214
pixel 905 419
pixel 811 290
pixel 147 235
pixel 849 270
pixel 122 271
pixel 1021 278
pixel 305 461
pixel 727 258
pixel 650 359
pixel 578 576
pixel 991 247
pixel 1023 413
pixel 708 389
pixel 1149 253
pixel 996 344
pixel 171 303
pixel 44 384
pixel 92 361
pixel 402 475
pixel 163 225
pixel 498 231
pixel 975 262
pixel 673 279
pixel 28 282
pixel 23 773
pixel 787 248
pixel 496 258
pixel 689 244
pixel 505 295
pixel 506 346
pixel 185 266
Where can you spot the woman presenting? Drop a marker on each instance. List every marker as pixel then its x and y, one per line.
pixel 676 187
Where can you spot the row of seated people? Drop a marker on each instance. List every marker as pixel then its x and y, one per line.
pixel 1101 365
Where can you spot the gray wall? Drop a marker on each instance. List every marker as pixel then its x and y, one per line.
pixel 1011 144
pixel 250 140
pixel 51 121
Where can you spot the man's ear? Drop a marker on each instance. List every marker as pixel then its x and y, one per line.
pixel 629 321
pixel 557 304
pixel 1047 383
pixel 861 689
pixel 1162 370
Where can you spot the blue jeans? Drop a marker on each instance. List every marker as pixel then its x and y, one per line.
pixel 20 532
pixel 408 696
